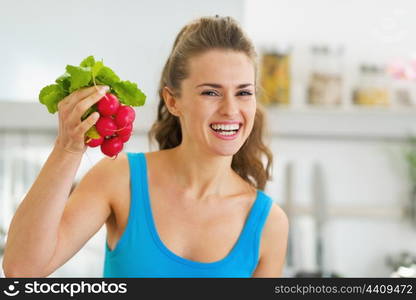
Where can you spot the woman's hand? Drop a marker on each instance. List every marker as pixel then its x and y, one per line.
pixel 70 109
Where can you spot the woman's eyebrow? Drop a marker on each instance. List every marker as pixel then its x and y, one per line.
pixel 218 86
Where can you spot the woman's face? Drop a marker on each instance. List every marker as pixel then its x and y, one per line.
pixel 217 103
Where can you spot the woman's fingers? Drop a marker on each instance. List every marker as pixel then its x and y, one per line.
pixel 71 108
pixel 88 123
pixel 82 106
pixel 72 99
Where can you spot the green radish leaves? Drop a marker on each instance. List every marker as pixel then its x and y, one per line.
pixel 78 77
pixel 50 96
pixel 106 76
pixel 129 92
pixel 90 72
pixel 64 81
pixel 88 62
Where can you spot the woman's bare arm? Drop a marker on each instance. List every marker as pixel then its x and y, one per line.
pixel 273 244
pixel 45 234
pixel 86 211
pixel 39 222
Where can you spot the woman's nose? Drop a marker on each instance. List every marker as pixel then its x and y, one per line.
pixel 229 106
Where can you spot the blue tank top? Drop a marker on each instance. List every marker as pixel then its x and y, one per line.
pixel 141 253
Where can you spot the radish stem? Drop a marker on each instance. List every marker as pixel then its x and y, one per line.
pixel 95 84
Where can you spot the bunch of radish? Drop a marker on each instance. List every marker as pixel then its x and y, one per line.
pixel 114 125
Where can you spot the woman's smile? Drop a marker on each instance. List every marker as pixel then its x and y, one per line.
pixel 226 130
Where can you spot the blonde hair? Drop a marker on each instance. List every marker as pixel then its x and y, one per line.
pixel 197 37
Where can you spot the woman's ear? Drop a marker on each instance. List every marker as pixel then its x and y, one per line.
pixel 170 101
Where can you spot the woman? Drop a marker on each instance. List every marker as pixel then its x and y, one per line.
pixel 196 208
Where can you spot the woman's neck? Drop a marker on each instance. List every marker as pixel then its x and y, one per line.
pixel 199 174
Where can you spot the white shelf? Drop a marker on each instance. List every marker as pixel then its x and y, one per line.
pixel 353 211
pixel 305 122
pixel 353 122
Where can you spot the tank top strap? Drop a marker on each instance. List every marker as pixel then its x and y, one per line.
pixel 257 219
pixel 136 182
pixel 134 210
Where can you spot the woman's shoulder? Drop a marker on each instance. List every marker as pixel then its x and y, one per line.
pixel 114 174
pixel 273 242
pixel 276 216
pixel 276 225
pixel 154 155
pixel 118 168
pixel 274 213
pixel 108 164
pixel 123 159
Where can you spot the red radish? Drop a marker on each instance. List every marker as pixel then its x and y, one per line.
pixel 95 142
pixel 112 146
pixel 125 115
pixel 125 130
pixel 108 105
pixel 105 126
pixel 125 138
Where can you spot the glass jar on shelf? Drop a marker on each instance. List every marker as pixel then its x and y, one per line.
pixel 403 93
pixel 275 77
pixel 326 76
pixel 373 86
pixel 403 82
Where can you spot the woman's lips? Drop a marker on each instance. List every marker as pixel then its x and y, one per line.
pixel 226 137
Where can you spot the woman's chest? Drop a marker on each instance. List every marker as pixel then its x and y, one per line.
pixel 194 229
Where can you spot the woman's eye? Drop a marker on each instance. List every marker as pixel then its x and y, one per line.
pixel 214 93
pixel 245 93
pixel 209 93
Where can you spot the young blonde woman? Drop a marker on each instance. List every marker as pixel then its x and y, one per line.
pixel 195 208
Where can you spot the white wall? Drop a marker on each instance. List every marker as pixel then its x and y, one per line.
pixel 39 38
pixel 372 31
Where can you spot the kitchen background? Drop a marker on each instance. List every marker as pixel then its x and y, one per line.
pixel 339 86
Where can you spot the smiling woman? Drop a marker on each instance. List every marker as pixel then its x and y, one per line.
pixel 219 50
pixel 218 105
pixel 210 129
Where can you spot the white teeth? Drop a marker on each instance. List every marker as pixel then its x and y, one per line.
pixel 225 127
pixel 227 132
